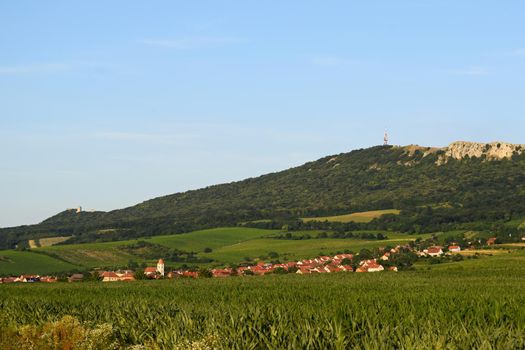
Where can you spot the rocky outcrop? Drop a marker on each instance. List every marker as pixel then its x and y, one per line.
pixel 492 151
pixel 462 150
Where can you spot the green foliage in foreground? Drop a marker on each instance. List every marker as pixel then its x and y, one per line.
pixel 476 307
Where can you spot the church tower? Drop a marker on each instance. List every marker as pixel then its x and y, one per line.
pixel 385 139
pixel 160 267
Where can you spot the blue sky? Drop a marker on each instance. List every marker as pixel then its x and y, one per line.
pixel 105 104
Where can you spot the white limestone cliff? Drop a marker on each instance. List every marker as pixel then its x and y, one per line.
pixel 462 150
pixel 492 151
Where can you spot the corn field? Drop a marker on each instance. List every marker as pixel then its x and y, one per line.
pixel 411 310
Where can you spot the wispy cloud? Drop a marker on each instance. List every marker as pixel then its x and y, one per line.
pixel 192 43
pixel 35 68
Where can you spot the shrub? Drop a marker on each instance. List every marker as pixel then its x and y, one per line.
pixel 67 333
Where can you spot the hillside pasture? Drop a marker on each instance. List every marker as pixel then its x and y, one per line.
pixel 503 262
pixel 489 252
pixel 213 238
pixel 47 242
pixel 109 254
pixel 301 249
pixel 92 254
pixel 362 217
pixel 14 262
pixel 512 245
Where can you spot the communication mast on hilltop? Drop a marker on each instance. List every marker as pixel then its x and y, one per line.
pixel 385 139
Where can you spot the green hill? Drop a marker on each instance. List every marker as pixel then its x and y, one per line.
pixel 435 190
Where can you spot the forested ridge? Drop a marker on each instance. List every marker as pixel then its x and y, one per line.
pixel 382 177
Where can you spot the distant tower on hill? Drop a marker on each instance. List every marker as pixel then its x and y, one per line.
pixel 79 210
pixel 385 139
pixel 160 267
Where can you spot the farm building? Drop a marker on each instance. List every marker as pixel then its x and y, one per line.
pixel 48 279
pixel 434 251
pixel 109 276
pixel 77 277
pixel 491 241
pixel 369 266
pixel 221 272
pixel 454 249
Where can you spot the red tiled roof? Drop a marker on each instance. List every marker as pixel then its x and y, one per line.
pixel 434 250
pixel 109 274
pixel 190 274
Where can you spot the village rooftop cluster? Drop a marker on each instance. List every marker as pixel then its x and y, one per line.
pixel 387 260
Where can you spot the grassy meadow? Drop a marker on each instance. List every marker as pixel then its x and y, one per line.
pixel 19 262
pixel 108 254
pixel 300 249
pixel 476 303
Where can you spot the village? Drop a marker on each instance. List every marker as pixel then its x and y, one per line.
pixel 393 259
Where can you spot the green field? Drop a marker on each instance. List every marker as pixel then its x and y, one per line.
pixel 214 238
pixel 108 254
pixel 362 217
pixel 229 245
pixel 300 249
pixel 462 305
pixel 26 262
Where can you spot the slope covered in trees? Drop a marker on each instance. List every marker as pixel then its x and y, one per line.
pixel 430 196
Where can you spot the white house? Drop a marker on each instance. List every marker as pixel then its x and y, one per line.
pixel 434 251
pixel 370 266
pixel 109 276
pixel 454 249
